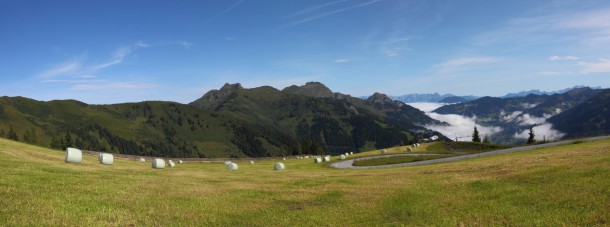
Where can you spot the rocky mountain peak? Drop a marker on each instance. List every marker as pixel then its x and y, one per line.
pixel 379 98
pixel 312 89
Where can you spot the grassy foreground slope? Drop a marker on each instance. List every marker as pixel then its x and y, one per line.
pixel 566 185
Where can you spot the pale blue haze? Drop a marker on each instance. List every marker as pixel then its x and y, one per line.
pixel 130 51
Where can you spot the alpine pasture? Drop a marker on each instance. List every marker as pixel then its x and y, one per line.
pixel 565 185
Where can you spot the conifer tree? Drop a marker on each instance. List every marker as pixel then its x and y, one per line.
pixel 475 135
pixel 531 139
pixel 68 140
pixel 12 134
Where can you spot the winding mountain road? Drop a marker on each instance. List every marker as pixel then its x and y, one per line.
pixel 348 164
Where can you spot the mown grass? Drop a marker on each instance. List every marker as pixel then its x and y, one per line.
pixel 395 160
pixel 562 186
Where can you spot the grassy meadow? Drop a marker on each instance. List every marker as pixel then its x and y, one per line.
pixel 566 185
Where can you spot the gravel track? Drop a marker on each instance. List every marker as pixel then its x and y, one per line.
pixel 348 164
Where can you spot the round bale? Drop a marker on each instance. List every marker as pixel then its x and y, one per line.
pixel 171 163
pixel 384 151
pixel 284 159
pixel 317 160
pixel 409 149
pixel 227 162
pixel 251 162
pixel 158 163
pixel 73 155
pixel 142 160
pixel 326 158
pixel 351 153
pixel 342 157
pixel 279 166
pixel 232 166
pixel 180 161
pixel 107 159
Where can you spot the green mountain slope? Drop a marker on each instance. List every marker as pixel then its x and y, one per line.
pixel 314 116
pixel 230 122
pixel 588 118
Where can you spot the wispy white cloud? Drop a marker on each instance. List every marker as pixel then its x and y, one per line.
pixel 552 73
pixel 227 10
pixel 77 66
pixel 312 15
pixel 66 68
pixel 602 66
pixel 589 28
pixel 342 60
pixel 314 8
pixel 452 65
pixel 114 86
pixel 557 58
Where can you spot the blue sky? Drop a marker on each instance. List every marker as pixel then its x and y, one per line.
pixel 104 52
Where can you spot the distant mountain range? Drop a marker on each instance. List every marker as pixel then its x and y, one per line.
pixel 538 92
pixel 450 98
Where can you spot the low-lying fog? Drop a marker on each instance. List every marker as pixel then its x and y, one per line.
pixel 461 127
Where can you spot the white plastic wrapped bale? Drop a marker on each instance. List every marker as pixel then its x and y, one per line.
pixel 158 163
pixel 279 166
pixel 351 153
pixel 99 156
pixel 284 159
pixel 384 151
pixel 317 160
pixel 342 157
pixel 73 155
pixel 180 161
pixel 409 149
pixel 107 159
pixel 228 162
pixel 307 156
pixel 142 160
pixel 326 158
pixel 251 162
pixel 171 164
pixel 232 166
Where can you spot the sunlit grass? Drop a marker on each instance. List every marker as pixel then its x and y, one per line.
pixel 566 185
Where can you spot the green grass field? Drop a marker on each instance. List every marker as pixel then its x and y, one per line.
pixel 567 185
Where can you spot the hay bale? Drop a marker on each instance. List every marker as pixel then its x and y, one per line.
pixel 284 159
pixel 409 149
pixel 251 162
pixel 142 160
pixel 232 166
pixel 384 151
pixel 279 166
pixel 99 156
pixel 171 164
pixel 107 159
pixel 158 163
pixel 228 162
pixel 326 158
pixel 73 155
pixel 351 153
pixel 307 156
pixel 180 161
pixel 342 157
pixel 317 160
